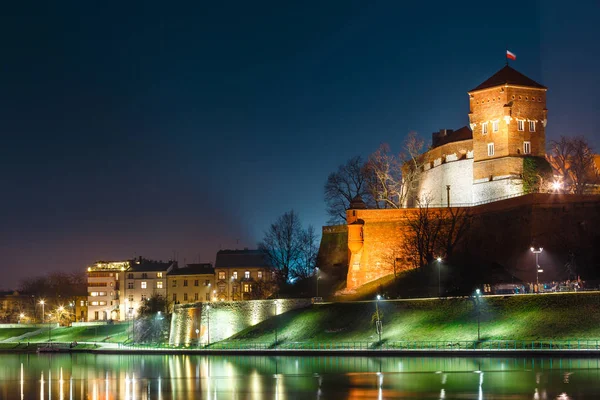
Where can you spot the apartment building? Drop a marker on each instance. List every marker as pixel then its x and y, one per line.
pixel 243 275
pixel 190 284
pixel 143 279
pixel 104 290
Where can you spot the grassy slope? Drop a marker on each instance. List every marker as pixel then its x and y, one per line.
pixel 552 317
pixel 7 333
pixel 102 333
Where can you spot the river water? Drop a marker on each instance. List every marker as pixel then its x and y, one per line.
pixel 89 376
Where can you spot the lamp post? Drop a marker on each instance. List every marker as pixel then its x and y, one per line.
pixel 378 326
pixel 275 313
pixel 132 324
pixel 21 316
pixel 208 325
pixel 317 280
pixel 477 304
pixel 537 252
pixel 198 336
pixel 42 302
pixel 439 262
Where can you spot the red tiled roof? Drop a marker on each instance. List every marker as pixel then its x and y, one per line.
pixel 508 75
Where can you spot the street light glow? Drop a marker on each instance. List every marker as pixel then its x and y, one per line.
pixel 378 297
pixel 556 185
pixel 439 259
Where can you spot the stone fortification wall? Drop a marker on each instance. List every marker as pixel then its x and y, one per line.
pixel 458 174
pixel 333 250
pixel 501 234
pixel 225 318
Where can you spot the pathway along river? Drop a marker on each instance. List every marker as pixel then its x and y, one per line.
pixel 90 376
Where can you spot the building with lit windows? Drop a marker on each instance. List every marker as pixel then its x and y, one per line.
pixel 143 279
pixel 190 284
pixel 243 275
pixel 104 285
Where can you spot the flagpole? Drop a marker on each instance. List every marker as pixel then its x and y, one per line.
pixel 506 55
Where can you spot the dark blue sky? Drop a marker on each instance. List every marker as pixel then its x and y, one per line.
pixel 152 128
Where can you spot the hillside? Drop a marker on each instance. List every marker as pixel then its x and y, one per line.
pixel 525 317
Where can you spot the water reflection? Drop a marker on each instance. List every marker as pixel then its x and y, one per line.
pixel 132 377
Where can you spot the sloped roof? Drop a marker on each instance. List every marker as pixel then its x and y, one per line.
pixel 241 258
pixel 194 269
pixel 508 75
pixel 463 133
pixel 149 266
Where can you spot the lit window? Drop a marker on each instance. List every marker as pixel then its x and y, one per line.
pixel 247 288
pixel 259 274
pixel 102 303
pixel 94 303
pixel 490 149
pixel 531 126
pixel 247 275
pixel 520 125
pixel 94 294
pixel 221 275
pixel 101 293
pixel 484 128
pixel 159 274
pixel 81 303
pixel 495 126
pixel 144 285
pixel 234 274
pixel 527 147
pixel 159 285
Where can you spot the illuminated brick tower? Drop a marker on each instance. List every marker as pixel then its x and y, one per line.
pixel 508 118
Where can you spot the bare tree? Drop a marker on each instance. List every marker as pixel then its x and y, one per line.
pixel 435 232
pixel 342 186
pixel 392 177
pixel 289 248
pixel 573 160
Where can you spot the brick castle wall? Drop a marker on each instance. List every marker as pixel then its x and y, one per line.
pixel 501 234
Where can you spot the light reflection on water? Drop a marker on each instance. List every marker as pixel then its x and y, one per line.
pixel 136 377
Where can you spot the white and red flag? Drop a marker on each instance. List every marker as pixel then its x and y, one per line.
pixel 510 55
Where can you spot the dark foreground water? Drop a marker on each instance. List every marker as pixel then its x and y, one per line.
pixel 88 376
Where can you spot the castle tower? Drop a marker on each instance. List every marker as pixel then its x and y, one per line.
pixel 508 118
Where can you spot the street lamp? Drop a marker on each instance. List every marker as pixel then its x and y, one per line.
pixel 439 261
pixel 477 304
pixel 275 313
pixel 537 252
pixel 317 280
pixel 21 316
pixel 208 327
pixel 42 302
pixel 378 326
pixel 198 336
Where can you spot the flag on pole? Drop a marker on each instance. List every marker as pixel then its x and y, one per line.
pixel 510 55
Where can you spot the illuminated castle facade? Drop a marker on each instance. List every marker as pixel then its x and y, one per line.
pixel 483 161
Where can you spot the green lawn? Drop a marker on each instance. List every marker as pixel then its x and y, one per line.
pixel 101 333
pixel 552 317
pixel 7 333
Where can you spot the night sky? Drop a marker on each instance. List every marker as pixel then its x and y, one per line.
pixel 154 129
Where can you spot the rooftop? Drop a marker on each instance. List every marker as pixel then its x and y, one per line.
pixel 445 136
pixel 143 265
pixel 194 269
pixel 241 258
pixel 508 76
